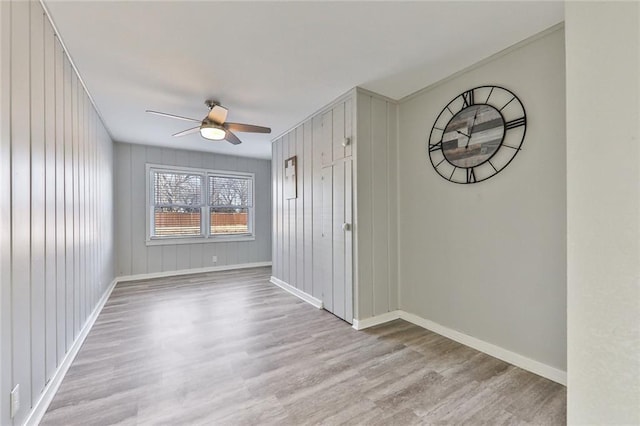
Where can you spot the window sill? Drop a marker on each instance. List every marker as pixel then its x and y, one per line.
pixel 199 240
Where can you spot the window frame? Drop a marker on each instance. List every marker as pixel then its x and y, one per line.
pixel 205 207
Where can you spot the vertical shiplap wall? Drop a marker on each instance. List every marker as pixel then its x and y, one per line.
pixel 297 224
pixel 376 205
pixel 135 257
pixel 5 211
pixel 56 206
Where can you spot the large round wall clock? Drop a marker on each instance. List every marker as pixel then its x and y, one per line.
pixel 477 134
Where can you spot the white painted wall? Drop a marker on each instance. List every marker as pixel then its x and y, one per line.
pixel 489 259
pixel 56 206
pixel 135 257
pixel 603 211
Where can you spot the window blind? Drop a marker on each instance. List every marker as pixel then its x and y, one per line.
pixel 177 199
pixel 177 189
pixel 230 192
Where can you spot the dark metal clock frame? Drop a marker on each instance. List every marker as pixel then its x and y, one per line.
pixel 477 134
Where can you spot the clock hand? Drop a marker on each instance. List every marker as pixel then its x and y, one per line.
pixel 473 123
pixel 463 133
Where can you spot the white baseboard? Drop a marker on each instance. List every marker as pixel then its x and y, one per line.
pixel 378 319
pixel 40 407
pixel 138 277
pixel 298 293
pixel 513 358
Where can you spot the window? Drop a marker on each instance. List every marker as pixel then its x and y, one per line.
pixel 195 205
pixel 230 198
pixel 177 204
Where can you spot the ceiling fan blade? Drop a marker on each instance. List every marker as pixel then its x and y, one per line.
pixel 231 138
pixel 249 128
pixel 218 114
pixel 187 132
pixel 179 117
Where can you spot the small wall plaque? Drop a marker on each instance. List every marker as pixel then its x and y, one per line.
pixel 290 178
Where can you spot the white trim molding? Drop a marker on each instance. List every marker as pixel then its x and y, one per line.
pixel 377 320
pixel 138 277
pixel 533 366
pixel 317 303
pixel 40 408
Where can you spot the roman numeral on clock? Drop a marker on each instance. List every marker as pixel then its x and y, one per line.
pixel 435 147
pixel 467 98
pixel 471 175
pixel 515 123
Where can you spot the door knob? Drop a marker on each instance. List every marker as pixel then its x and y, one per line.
pixel 346 227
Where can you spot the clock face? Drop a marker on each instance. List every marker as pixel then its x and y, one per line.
pixel 477 134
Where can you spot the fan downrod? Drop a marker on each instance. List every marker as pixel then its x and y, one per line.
pixel 211 103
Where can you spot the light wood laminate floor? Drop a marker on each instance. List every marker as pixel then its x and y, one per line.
pixel 229 348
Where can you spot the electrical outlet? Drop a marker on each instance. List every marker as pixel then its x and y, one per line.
pixel 214 259
pixel 15 401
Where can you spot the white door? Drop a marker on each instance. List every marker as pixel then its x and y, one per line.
pixel 337 240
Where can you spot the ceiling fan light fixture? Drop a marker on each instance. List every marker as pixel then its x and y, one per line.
pixel 212 132
pixel 214 126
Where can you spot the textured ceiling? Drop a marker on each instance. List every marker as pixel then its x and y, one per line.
pixel 272 63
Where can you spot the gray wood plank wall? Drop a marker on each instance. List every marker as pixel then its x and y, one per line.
pixel 376 204
pixel 135 257
pixel 56 163
pixel 297 224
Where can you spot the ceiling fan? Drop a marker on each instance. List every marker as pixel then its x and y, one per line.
pixel 214 126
